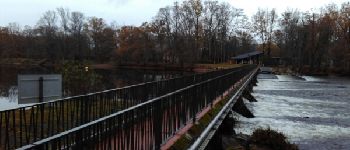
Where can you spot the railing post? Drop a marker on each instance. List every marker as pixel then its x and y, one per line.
pixel 41 89
pixel 157 124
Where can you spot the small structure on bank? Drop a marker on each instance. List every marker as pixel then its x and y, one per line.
pixel 248 58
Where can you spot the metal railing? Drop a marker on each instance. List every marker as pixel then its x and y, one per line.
pixel 146 125
pixel 202 141
pixel 26 125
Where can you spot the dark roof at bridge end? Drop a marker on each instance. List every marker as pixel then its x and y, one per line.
pixel 247 55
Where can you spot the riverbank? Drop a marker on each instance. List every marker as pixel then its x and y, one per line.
pixel 24 62
pixel 18 62
pixel 168 67
pixel 279 70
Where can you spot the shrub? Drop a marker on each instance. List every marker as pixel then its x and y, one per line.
pixel 271 139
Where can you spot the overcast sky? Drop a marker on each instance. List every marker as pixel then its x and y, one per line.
pixel 129 12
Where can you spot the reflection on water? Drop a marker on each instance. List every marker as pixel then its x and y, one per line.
pixel 109 79
pixel 313 112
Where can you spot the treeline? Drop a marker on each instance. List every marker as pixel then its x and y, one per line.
pixel 192 31
pixel 315 40
pixel 60 35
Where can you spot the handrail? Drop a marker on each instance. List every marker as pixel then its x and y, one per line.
pixel 198 144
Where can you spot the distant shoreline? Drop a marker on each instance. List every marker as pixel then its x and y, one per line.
pixel 167 67
pixel 308 72
pixel 24 62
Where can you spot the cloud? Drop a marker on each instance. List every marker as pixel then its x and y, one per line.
pixel 119 3
pixel 126 12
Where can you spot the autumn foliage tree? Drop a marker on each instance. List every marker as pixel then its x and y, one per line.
pixel 316 40
pixel 188 32
pixel 136 44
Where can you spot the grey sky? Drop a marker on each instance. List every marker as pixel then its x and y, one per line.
pixel 129 12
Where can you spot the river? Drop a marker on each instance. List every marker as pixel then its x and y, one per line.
pixel 108 79
pixel 313 112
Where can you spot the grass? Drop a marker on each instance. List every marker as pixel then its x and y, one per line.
pixel 20 61
pixel 187 139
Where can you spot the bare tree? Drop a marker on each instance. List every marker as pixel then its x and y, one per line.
pixel 224 18
pixel 264 22
pixel 272 19
pixel 77 20
pixel 47 23
pixel 64 15
pixel 162 26
pixel 48 28
pixel 211 8
pixel 198 9
pixel 260 26
pixel 176 15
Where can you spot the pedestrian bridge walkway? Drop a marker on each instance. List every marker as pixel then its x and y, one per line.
pixel 143 116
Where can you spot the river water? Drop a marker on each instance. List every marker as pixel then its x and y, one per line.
pixel 313 112
pixel 108 79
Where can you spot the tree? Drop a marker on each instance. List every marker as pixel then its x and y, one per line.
pixel 344 25
pixel 272 17
pixel 260 26
pixel 263 25
pixel 192 31
pixel 162 27
pixel 210 25
pixel 224 19
pixel 95 29
pixel 77 20
pixel 197 8
pixel 136 44
pixel 64 15
pixel 289 39
pixel 47 28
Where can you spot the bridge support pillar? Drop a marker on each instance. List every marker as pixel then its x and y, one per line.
pixel 225 129
pixel 255 80
pixel 250 87
pixel 249 96
pixel 215 142
pixel 242 109
pixel 227 125
pixel 252 84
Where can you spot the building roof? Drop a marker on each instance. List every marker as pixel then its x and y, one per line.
pixel 247 55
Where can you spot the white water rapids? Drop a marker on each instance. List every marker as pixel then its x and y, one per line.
pixel 313 112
